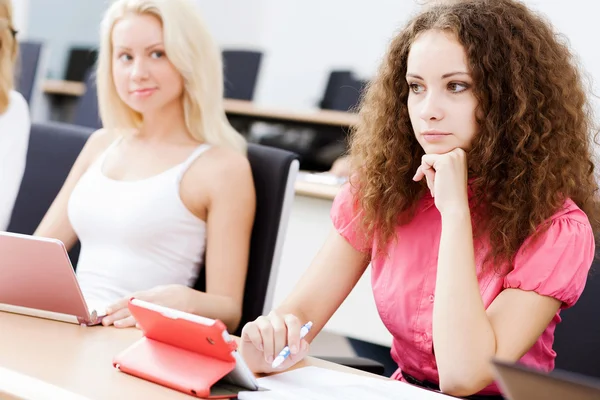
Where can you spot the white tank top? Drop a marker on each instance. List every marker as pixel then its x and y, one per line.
pixel 134 235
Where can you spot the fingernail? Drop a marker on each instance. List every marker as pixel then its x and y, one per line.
pixel 270 359
pixel 293 349
pixel 118 323
pixel 260 347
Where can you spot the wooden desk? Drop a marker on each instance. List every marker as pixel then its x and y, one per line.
pixel 235 108
pixel 247 109
pixel 316 190
pixel 79 359
pixel 63 88
pixel 17 386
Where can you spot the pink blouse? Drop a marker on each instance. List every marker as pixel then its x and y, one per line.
pixel 403 283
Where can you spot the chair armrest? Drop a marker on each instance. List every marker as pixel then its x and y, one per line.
pixel 361 363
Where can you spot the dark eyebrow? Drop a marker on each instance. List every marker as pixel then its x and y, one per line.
pixel 147 48
pixel 448 75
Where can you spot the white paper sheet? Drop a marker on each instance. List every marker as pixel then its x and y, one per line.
pixel 313 383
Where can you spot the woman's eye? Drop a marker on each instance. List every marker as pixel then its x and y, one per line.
pixel 457 87
pixel 416 88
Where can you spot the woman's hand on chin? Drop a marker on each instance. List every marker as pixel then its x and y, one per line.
pixel 446 176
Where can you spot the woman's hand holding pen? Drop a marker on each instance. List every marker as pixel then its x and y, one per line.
pixel 446 176
pixel 264 339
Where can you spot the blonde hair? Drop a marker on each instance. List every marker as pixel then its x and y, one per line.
pixel 8 53
pixel 191 49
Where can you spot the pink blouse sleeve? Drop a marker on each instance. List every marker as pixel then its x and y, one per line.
pixel 557 264
pixel 345 215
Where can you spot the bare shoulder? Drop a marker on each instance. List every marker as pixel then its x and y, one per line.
pixel 223 171
pixel 220 163
pixel 98 141
pixel 101 139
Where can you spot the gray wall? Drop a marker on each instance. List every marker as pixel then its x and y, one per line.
pixel 61 24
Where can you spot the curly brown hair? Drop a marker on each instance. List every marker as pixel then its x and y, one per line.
pixel 534 144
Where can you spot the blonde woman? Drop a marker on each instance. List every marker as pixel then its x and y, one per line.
pixel 14 118
pixel 166 178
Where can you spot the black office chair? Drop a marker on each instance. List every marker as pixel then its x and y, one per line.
pixel 27 67
pixel 53 148
pixel 274 173
pixel 343 91
pixel 319 148
pixel 241 69
pixel 577 337
pixel 86 110
pixel 81 62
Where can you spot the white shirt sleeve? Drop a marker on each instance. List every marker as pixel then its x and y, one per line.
pixel 15 124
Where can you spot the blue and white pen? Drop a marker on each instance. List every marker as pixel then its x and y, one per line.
pixel 283 354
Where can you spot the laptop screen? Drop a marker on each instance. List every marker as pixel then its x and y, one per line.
pixel 521 383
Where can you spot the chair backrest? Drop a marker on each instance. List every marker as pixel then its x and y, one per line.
pixel 53 148
pixel 577 337
pixel 81 61
pixel 27 67
pixel 342 92
pixel 240 73
pixel 86 111
pixel 274 171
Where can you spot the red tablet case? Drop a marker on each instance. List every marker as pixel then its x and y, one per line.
pixel 180 354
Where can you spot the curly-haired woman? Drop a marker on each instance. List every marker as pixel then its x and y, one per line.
pixel 472 196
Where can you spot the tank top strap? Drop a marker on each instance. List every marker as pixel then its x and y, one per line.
pixel 187 163
pixel 100 160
